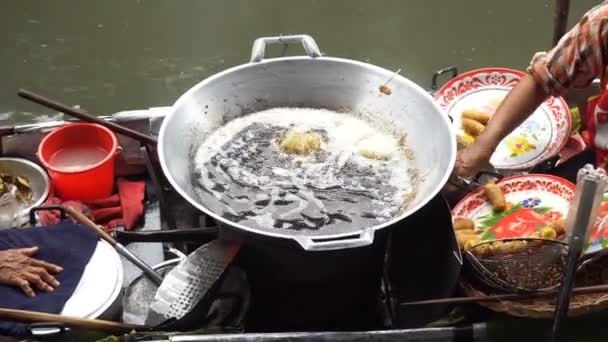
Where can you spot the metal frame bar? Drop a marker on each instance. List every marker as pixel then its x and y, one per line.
pixel 560 19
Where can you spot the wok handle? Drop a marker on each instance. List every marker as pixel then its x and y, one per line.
pixel 259 45
pixel 179 235
pixel 364 238
pixel 451 69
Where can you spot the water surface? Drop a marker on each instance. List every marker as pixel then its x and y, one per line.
pixel 114 55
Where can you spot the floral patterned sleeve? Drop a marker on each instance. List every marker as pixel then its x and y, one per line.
pixel 578 58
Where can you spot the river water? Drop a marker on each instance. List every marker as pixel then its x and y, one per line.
pixel 114 55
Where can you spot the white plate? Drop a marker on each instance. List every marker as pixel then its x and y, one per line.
pixel 99 285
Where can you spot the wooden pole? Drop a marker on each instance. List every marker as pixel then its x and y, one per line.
pixel 25 316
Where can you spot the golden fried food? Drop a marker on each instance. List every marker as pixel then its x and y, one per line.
pixel 464 224
pixel 548 233
pixel 384 89
pixel 495 195
pixel 484 249
pixel 371 154
pixel 510 246
pixel 465 140
pixel 472 127
pixel 559 226
pixel 500 247
pixel 476 115
pixel 300 143
pixel 470 244
pixel 462 236
pixel 377 147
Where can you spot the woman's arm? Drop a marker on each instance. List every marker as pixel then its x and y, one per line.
pixel 576 60
pixel 517 106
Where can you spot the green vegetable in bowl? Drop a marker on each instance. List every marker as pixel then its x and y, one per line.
pixel 24 189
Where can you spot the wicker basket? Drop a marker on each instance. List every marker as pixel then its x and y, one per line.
pixel 595 273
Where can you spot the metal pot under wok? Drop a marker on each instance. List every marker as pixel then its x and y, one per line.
pixel 311 81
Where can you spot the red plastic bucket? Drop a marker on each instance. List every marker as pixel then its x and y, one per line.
pixel 80 158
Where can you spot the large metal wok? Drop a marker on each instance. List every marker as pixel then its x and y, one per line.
pixel 312 81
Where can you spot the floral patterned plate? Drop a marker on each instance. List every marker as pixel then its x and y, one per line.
pixel 574 146
pixel 540 137
pixel 536 200
pixel 598 238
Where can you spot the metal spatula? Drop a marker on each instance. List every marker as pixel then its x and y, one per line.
pixel 185 285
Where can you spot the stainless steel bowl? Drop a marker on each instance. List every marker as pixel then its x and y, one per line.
pixel 37 177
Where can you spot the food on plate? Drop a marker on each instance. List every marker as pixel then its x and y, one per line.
pixel 465 140
pixel 463 236
pixel 495 195
pixel 300 143
pixel 472 127
pixel 508 216
pixel 470 243
pixel 24 189
pixel 462 224
pixel 548 233
pixel 476 115
pixel 559 226
pixel 473 122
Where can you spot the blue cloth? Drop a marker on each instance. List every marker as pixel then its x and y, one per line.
pixel 67 245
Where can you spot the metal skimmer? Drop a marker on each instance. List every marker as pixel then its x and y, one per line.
pixel 186 284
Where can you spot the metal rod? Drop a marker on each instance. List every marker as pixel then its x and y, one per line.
pixel 82 219
pixel 199 235
pixel 581 222
pixel 155 277
pixel 158 189
pixel 507 297
pixel 82 115
pixel 560 19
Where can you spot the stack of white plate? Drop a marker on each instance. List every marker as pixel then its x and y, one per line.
pixel 98 292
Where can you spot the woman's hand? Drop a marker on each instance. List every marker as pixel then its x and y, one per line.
pixel 18 268
pixel 472 159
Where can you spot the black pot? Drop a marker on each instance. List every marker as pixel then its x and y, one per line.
pixel 297 290
pixel 424 263
pixel 339 290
